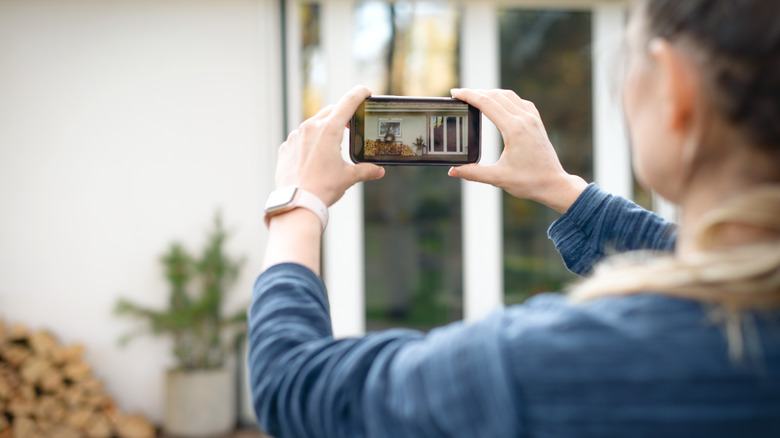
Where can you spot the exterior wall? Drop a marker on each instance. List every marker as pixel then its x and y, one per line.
pixel 413 125
pixel 125 125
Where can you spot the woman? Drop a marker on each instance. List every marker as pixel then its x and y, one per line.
pixel 683 344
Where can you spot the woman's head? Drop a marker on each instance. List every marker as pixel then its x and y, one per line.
pixel 704 77
pixel 702 98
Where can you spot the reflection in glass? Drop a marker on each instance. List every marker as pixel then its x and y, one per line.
pixel 412 215
pixel 546 58
pixel 313 58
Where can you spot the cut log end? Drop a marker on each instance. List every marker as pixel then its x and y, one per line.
pixel 47 390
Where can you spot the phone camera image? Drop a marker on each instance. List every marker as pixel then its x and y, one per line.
pixel 415 131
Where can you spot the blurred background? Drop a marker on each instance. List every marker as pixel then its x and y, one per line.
pixel 128 124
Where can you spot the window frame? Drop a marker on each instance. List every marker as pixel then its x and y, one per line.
pixel 343 248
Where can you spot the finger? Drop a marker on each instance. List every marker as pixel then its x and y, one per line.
pixel 514 98
pixel 489 106
pixel 504 97
pixel 348 104
pixel 367 172
pixel 323 113
pixel 526 105
pixel 478 173
pixel 531 108
pixel 311 123
pixel 513 103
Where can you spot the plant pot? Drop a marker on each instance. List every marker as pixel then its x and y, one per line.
pixel 200 403
pixel 246 410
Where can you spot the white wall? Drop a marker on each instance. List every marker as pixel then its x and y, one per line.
pixel 412 126
pixel 124 125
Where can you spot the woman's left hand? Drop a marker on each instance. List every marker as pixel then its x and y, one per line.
pixel 311 157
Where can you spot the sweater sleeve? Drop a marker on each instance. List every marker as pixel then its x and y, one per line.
pixel 599 224
pixel 395 383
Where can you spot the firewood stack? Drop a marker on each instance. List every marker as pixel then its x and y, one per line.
pixel 48 391
pixel 379 148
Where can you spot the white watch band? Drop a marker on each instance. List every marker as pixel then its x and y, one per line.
pixel 289 198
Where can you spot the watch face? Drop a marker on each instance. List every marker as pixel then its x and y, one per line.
pixel 280 198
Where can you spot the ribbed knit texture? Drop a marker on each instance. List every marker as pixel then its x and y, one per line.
pixel 638 366
pixel 599 224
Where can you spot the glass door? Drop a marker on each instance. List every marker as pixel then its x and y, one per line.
pixel 418 248
pixel 412 216
pixel 546 58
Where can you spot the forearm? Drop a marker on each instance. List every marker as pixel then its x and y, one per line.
pixel 306 384
pixel 599 223
pixel 294 237
pixel 288 316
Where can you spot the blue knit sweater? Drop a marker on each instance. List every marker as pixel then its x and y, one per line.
pixel 637 366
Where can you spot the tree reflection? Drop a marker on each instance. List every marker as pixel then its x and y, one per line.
pixel 546 58
pixel 412 215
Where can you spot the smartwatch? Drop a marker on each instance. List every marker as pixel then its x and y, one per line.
pixel 291 197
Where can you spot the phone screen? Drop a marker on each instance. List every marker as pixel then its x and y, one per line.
pixel 415 131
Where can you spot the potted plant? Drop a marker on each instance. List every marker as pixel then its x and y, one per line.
pixel 200 390
pixel 419 143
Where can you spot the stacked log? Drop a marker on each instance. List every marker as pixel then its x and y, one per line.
pixel 48 391
pixel 380 148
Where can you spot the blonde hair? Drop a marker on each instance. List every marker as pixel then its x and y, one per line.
pixel 735 279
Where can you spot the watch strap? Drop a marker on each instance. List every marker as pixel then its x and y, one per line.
pixel 303 199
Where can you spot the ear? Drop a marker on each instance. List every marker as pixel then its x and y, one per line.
pixel 677 84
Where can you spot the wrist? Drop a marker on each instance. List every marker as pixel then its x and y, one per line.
pixel 294 237
pixel 287 199
pixel 300 220
pixel 563 192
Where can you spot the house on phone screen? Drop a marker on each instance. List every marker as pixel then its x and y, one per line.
pixel 415 128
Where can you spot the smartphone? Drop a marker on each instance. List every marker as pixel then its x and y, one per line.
pixel 415 131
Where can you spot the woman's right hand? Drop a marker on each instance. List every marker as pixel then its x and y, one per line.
pixel 528 167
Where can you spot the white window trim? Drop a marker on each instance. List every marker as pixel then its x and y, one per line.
pixel 483 267
pixel 611 155
pixel 343 252
pixel 459 146
pixel 343 248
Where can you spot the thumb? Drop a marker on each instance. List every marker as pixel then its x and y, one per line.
pixel 476 172
pixel 367 172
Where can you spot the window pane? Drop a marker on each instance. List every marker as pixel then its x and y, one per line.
pixel 313 58
pixel 546 58
pixel 412 215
